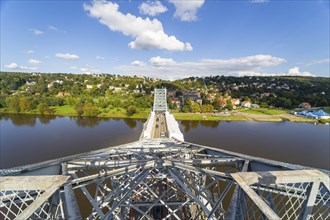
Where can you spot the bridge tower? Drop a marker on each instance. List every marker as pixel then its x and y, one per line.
pixel 160 100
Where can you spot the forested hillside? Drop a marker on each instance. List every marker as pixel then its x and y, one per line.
pixel 100 94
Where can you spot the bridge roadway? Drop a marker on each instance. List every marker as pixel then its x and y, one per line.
pixel 160 126
pixel 161 176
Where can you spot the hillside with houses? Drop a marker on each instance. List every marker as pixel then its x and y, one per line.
pixel 106 95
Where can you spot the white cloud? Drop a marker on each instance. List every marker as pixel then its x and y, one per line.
pixel 138 63
pixel 167 68
pixel 99 58
pixel 53 28
pixel 11 66
pixel 186 10
pixel 296 72
pixel 318 62
pixel 67 56
pixel 34 61
pixel 50 27
pixel 16 66
pixel 159 61
pixel 259 1
pixel 29 51
pixel 36 31
pixel 73 67
pixel 147 34
pixel 152 8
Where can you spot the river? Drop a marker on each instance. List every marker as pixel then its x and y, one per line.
pixel 29 139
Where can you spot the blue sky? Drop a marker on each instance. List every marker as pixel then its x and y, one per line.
pixel 167 39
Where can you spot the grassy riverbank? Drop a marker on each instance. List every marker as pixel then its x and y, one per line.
pixel 263 115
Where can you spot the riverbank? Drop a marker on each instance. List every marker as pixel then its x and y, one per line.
pixel 262 115
pixel 241 116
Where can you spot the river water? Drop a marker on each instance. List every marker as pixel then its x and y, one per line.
pixel 29 139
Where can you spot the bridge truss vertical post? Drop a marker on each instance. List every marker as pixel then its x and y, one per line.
pixel 160 100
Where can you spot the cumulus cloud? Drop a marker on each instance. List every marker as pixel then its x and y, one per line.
pixel 36 31
pixel 186 10
pixel 167 68
pixel 296 72
pixel 159 61
pixel 67 56
pixel 152 8
pixel 11 66
pixel 73 67
pixel 99 58
pixel 138 63
pixel 34 61
pixel 18 67
pixel 147 34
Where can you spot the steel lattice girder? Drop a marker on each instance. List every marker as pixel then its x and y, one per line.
pixel 169 179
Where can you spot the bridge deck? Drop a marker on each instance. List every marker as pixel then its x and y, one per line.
pixel 160 126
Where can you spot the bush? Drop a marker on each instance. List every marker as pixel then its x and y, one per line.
pixel 131 110
pixel 79 109
pixel 90 110
pixel 42 108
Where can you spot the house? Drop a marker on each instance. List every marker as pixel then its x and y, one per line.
pixel 246 104
pixel 99 85
pixel 304 105
pixel 171 93
pixel 89 86
pixel 235 101
pixel 176 101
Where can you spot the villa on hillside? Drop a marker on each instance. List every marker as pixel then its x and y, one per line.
pixel 304 105
pixel 246 104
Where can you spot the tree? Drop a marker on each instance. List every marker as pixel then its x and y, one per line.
pixel 131 110
pixel 263 105
pixel 187 105
pixel 90 110
pixel 42 108
pixel 24 104
pixel 246 99
pixel 229 104
pixel 195 107
pixel 13 103
pixel 207 108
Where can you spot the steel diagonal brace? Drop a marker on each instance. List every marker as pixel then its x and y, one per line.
pixel 91 200
pixel 180 181
pixel 131 188
pixel 161 201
